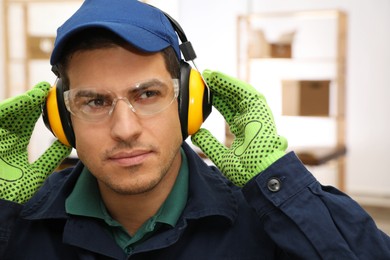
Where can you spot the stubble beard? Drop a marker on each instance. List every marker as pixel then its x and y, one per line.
pixel 141 185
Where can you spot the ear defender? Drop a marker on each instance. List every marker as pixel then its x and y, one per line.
pixel 56 117
pixel 194 100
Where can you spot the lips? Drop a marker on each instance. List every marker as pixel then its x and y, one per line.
pixel 127 159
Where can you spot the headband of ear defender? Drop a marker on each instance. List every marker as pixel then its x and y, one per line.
pixel 195 100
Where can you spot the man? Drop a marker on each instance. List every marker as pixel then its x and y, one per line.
pixel 139 191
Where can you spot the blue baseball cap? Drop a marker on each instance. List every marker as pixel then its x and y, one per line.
pixel 141 25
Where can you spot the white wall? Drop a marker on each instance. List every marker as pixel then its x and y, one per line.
pixel 211 26
pixel 368 97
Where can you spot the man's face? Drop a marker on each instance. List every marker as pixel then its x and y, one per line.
pixel 127 153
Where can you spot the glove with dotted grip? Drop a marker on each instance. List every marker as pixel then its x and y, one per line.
pixel 256 145
pixel 20 179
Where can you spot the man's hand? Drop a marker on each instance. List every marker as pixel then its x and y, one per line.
pixel 20 179
pixel 256 145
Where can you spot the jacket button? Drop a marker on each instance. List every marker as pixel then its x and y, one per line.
pixel 274 184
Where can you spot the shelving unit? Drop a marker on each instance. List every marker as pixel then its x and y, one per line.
pixel 29 27
pixel 298 61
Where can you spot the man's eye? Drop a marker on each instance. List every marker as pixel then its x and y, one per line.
pixel 97 102
pixel 149 94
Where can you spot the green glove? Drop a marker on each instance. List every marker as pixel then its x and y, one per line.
pixel 20 179
pixel 256 145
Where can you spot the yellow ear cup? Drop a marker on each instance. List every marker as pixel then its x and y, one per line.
pixel 195 104
pixel 54 117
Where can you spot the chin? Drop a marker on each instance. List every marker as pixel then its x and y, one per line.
pixel 135 186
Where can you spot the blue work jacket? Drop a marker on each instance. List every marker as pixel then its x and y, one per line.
pixel 283 213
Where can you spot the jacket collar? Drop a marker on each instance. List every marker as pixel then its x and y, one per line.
pixel 209 194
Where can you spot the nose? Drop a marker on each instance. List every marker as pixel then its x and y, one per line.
pixel 125 124
pixel 127 102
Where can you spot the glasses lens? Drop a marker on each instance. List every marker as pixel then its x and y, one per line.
pixel 89 104
pixel 151 97
pixel 146 98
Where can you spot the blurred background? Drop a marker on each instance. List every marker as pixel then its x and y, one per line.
pixel 324 67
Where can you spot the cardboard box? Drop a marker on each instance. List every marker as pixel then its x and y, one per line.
pixel 281 50
pixel 40 47
pixel 305 97
pixel 260 47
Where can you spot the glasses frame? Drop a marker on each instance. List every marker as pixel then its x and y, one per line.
pixel 176 89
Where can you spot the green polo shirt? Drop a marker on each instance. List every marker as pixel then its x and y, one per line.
pixel 85 200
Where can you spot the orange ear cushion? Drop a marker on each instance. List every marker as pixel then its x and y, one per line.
pixel 53 117
pixel 195 104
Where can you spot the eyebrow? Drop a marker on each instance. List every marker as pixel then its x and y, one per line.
pixel 87 93
pixel 147 84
